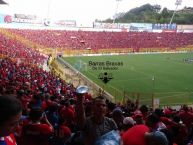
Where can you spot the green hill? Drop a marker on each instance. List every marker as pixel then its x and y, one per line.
pixel 154 14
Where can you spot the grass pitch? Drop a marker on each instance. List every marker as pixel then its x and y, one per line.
pixel 168 76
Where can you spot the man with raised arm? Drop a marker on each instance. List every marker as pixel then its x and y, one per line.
pixel 97 124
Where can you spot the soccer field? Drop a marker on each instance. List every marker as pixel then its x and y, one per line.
pixel 168 76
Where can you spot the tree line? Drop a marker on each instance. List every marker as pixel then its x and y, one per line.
pixel 153 14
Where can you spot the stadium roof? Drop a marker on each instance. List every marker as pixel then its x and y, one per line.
pixel 2 2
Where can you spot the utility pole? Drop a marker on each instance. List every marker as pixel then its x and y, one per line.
pixel 178 2
pixel 48 10
pixel 117 6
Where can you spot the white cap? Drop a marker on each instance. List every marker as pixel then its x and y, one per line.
pixel 128 120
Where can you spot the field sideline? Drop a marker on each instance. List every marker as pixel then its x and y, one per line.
pixel 168 76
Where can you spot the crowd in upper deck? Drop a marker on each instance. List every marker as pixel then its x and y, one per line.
pixel 108 40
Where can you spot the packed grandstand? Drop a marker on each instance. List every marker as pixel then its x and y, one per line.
pixel 54 112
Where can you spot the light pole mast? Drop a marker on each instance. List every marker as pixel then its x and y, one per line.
pixel 117 6
pixel 178 2
pixel 48 10
pixel 47 19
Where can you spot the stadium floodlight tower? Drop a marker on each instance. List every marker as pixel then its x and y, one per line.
pixel 117 6
pixel 178 2
pixel 48 9
pixel 47 19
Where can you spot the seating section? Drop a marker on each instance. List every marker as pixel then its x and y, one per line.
pixel 16 50
pixel 107 40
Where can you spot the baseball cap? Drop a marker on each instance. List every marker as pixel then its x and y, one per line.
pixel 128 120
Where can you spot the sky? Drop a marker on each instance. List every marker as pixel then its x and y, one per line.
pixel 83 11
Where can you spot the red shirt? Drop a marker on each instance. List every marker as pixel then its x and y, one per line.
pixel 135 135
pixel 67 113
pixel 168 122
pixel 63 132
pixel 36 134
pixel 187 118
pixel 10 140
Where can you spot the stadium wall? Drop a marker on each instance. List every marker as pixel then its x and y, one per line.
pixel 121 27
pixel 184 27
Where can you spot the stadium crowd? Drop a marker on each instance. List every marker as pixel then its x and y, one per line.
pixel 105 40
pixel 16 50
pixel 38 108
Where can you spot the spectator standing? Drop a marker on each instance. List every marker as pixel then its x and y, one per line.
pixel 38 130
pixel 97 124
pixel 10 112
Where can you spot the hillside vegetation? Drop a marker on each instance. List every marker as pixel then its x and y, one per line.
pixel 154 14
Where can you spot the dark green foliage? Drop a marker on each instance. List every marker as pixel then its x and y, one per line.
pixel 154 14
